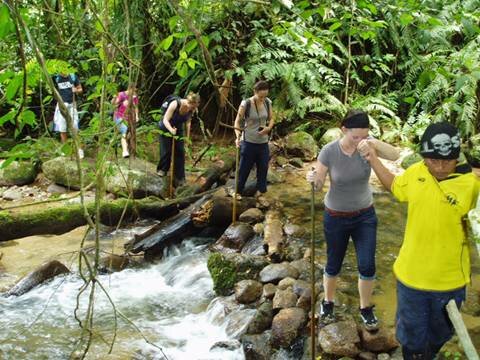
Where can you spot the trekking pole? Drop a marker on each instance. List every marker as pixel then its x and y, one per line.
pixel 461 330
pixel 234 204
pixel 312 269
pixel 172 167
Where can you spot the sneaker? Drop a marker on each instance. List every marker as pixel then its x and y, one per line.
pixel 81 155
pixel 327 315
pixel 369 319
pixel 125 154
pixel 230 191
pixel 161 173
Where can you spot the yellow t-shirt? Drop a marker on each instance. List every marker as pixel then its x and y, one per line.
pixel 434 254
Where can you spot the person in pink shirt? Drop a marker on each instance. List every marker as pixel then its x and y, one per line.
pixel 122 113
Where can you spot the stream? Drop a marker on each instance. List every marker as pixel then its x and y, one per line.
pixel 172 301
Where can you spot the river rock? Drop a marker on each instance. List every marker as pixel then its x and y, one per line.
pixel 56 189
pixel 281 161
pixel 12 194
pixel 111 263
pixel 275 272
pixel 296 162
pixel 259 228
pixel 252 216
pixel 286 326
pixel 269 291
pixel 63 171
pixel 227 269
pixel 17 173
pixel 230 345
pixel 340 339
pixel 262 320
pixel 382 340
pixel 365 355
pixel 294 230
pixel 257 347
pixel 330 135
pixel 247 291
pixel 301 144
pixel 286 283
pixel 43 273
pixel 284 299
pixel 383 356
pixel 275 177
pixel 235 237
pixel 303 268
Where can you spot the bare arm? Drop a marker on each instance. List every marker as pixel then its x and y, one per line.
pixel 168 116
pixel 385 151
pixel 384 175
pixel 320 175
pixel 240 116
pixel 189 126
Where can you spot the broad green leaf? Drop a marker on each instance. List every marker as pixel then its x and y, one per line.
pixel 335 26
pixel 166 43
pixel 406 19
pixel 13 87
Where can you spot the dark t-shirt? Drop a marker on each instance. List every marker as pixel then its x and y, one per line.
pixel 64 86
pixel 177 121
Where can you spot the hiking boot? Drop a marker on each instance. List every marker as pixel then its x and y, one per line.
pixel 179 182
pixel 161 173
pixel 327 315
pixel 369 319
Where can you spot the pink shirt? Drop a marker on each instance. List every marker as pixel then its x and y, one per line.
pixel 122 100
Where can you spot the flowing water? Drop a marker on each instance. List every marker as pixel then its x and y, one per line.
pixel 171 301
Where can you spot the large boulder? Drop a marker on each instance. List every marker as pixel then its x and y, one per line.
pixel 275 272
pixel 301 144
pixel 228 269
pixel 248 291
pixel 234 237
pixel 330 135
pixel 340 339
pixel 63 171
pixel 43 273
pixel 252 216
pixel 17 173
pixel 137 176
pixel 286 326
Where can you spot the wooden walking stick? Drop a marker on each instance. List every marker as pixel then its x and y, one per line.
pixel 234 204
pixel 461 330
pixel 172 167
pixel 312 271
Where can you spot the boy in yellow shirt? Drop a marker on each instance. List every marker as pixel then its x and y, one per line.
pixel 433 265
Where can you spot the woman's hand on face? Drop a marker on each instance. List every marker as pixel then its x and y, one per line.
pixel 366 149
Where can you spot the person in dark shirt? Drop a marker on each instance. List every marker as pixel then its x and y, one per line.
pixel 68 85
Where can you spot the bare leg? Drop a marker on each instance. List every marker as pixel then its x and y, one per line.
pixel 330 286
pixel 63 137
pixel 365 289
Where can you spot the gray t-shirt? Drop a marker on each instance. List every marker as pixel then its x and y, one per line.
pixel 258 116
pixel 349 175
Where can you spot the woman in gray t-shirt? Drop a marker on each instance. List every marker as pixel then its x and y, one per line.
pixel 255 117
pixel 349 212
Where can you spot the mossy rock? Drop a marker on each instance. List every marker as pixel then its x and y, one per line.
pixel 228 269
pixel 301 144
pixel 63 171
pixel 18 173
pixel 330 135
pixel 411 159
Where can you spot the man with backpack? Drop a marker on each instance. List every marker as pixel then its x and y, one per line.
pixel 253 123
pixel 68 85
pixel 177 112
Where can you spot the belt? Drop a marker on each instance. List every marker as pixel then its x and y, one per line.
pixel 347 213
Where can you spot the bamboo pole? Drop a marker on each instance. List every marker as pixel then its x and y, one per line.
pixel 461 330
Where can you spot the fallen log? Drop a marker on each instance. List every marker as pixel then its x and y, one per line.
pixel 218 211
pixel 43 273
pixel 171 231
pixel 208 177
pixel 274 239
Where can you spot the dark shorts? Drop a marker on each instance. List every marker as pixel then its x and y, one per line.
pixel 423 325
pixel 362 228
